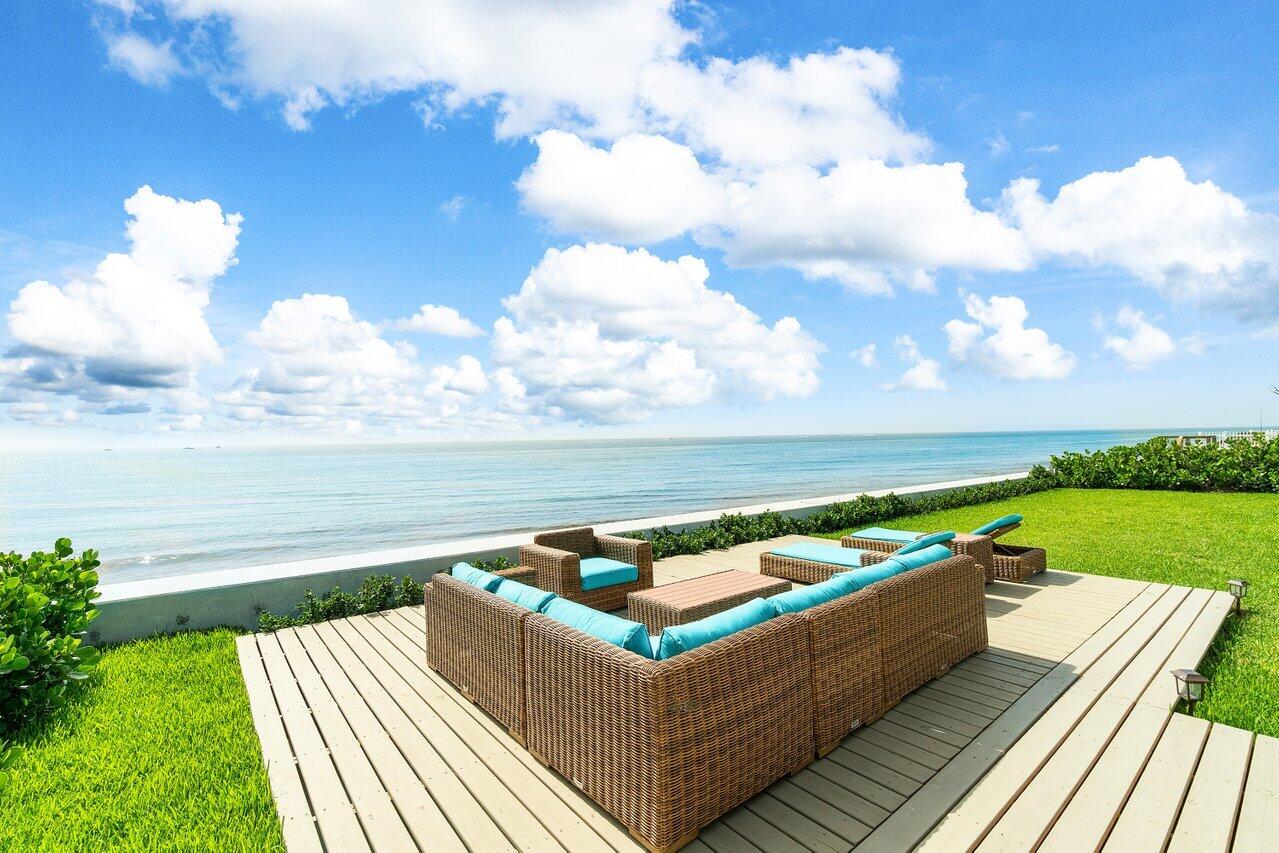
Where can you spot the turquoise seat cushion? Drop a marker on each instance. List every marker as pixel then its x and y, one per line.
pixel 683 638
pixel 600 572
pixel 805 597
pixel 926 541
pixel 620 632
pixel 467 573
pixel 931 554
pixel 528 597
pixel 884 534
pixel 1004 521
pixel 815 553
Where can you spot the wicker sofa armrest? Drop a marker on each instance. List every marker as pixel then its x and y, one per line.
pixel 930 619
pixel 667 747
pixel 637 552
pixel 519 574
pixel 557 571
pixel 476 640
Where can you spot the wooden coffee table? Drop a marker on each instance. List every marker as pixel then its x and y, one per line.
pixel 687 601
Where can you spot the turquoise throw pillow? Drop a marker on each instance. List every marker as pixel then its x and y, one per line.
pixel 683 638
pixel 622 633
pixel 467 573
pixel 805 597
pixel 991 526
pixel 925 541
pixel 528 597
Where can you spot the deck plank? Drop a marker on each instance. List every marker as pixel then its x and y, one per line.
pixel 1151 810
pixel 1259 814
pixel 1207 820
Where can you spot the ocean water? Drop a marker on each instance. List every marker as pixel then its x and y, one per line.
pixel 154 513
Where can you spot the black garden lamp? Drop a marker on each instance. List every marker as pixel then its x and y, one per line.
pixel 1239 589
pixel 1190 686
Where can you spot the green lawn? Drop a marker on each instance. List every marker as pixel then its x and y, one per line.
pixel 1183 538
pixel 159 753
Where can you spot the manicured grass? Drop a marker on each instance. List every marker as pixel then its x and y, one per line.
pixel 1192 539
pixel 159 753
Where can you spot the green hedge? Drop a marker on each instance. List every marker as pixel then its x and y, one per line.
pixel 376 592
pixel 1237 465
pixel 730 530
pixel 46 603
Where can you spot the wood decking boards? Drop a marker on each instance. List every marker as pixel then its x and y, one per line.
pixel 1060 735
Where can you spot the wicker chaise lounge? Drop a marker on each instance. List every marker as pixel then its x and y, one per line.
pixel 810 562
pixel 580 566
pixel 1007 562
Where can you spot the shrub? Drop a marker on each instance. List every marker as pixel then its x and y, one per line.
pixel 46 603
pixel 730 530
pixel 1237 465
pixel 376 592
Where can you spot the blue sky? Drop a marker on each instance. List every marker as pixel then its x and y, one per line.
pixel 802 178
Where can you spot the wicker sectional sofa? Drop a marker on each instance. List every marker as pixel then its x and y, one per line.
pixel 668 746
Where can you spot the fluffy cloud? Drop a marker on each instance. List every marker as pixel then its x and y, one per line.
pixel 1194 242
pixel 542 63
pixel 145 61
pixel 603 334
pixel 862 222
pixel 922 374
pixel 644 189
pixel 865 356
pixel 137 324
pixel 1146 343
pixel 998 341
pixel 439 320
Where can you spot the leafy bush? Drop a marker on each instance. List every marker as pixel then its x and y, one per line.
pixel 730 530
pixel 1237 465
pixel 46 602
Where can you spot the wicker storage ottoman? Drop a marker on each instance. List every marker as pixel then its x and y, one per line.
pixel 977 547
pixel 687 601
pixel 1017 563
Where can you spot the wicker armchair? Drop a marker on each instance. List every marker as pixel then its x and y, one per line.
pixel 476 641
pixel 557 556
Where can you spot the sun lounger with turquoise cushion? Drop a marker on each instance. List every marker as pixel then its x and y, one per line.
pixel 980 544
pixel 813 562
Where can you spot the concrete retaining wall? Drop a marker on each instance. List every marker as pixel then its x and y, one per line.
pixel 235 596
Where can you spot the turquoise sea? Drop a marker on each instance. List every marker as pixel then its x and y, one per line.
pixel 162 512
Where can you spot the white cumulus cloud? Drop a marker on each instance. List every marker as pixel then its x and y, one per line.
pixel 865 356
pixel 1145 344
pixel 998 341
pixel 138 321
pixel 145 61
pixel 921 374
pixel 605 334
pixel 1193 242
pixel 439 320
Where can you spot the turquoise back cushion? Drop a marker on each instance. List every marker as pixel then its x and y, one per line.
pixel 467 573
pixel 817 553
pixel 529 597
pixel 1014 518
pixel 926 541
pixel 622 633
pixel 886 534
pixel 915 559
pixel 810 596
pixel 862 578
pixel 683 638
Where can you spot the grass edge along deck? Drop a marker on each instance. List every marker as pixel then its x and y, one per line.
pixel 368 749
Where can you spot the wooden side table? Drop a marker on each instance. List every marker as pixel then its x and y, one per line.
pixel 687 601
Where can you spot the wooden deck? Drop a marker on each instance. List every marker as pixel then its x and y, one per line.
pixel 1060 734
